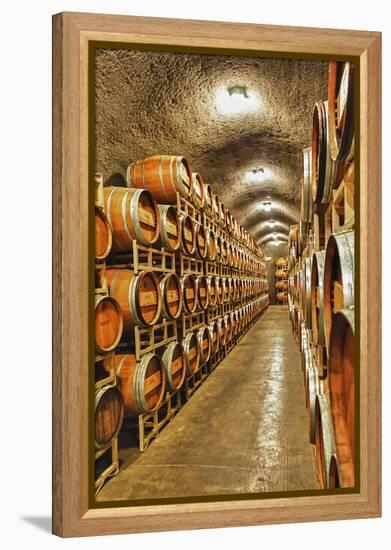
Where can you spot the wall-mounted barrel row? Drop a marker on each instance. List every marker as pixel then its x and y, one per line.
pixel 321 284
pixel 179 283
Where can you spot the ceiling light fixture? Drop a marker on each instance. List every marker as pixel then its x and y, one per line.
pixel 271 223
pixel 266 206
pixel 236 100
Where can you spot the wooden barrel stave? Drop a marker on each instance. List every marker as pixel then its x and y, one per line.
pixel 324 440
pixel 317 300
pixel 192 353
pixel 189 291
pixel 341 110
pixel 103 235
pixel 198 191
pixel 188 238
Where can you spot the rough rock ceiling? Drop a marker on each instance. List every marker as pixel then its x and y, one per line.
pixel 163 103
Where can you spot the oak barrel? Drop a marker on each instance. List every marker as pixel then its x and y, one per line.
pixel 103 235
pixel 338 277
pixel 220 290
pixel 342 389
pixel 202 292
pixel 142 384
pixel 323 166
pixel 108 323
pixel 324 440
pixel 211 245
pixel 208 200
pixel 214 333
pixel 317 312
pixel 172 297
pixel 222 331
pixel 188 237
pixel 109 414
pixel 170 228
pixel 306 187
pixel 201 242
pixel 341 110
pixel 204 343
pixel 192 353
pixel 133 215
pixel 198 191
pixel 163 175
pixel 189 291
pixel 174 362
pixel 212 290
pixel 138 296
pixel 228 328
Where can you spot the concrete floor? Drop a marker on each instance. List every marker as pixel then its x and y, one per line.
pixel 244 430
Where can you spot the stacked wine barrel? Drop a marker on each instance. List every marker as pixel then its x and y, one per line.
pixel 109 323
pixel 281 280
pixel 322 281
pixel 185 281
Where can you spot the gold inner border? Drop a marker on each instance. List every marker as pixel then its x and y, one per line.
pixel 92 47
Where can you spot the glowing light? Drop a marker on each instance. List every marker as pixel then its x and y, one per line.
pixel 236 100
pixel 267 206
pixel 257 175
pixel 271 223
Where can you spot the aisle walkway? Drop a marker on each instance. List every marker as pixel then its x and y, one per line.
pixel 243 431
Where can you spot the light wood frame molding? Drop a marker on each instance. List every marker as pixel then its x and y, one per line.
pixel 71 35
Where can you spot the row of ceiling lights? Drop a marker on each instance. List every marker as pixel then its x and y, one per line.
pixel 237 100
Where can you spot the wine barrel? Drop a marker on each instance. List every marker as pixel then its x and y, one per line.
pixel 198 191
pixel 138 296
pixel 201 242
pixel 317 312
pixel 172 298
pixel 109 414
pixel 133 215
pixel 228 221
pixel 228 328
pixel 338 288
pixel 224 252
pixel 163 175
pixel 204 343
pixel 304 228
pixel 216 208
pixel 214 333
pixel 323 166
pixel 174 363
pixel 103 235
pixel 202 292
pixel 341 110
pixel 281 262
pixel 108 323
pixel 211 245
pixel 192 353
pixel 189 291
pixel 222 218
pixel 324 440
pixel 170 228
pixel 142 384
pixel 232 317
pixel 305 288
pixel 212 290
pixel 282 284
pixel 225 289
pixel 311 390
pixel 342 388
pixel 306 187
pixel 208 200
pixel 220 290
pixel 219 244
pixel 282 297
pixel 222 331
pixel 188 237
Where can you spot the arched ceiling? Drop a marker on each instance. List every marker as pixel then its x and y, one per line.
pixel 248 148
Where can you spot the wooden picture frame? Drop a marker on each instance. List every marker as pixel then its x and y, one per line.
pixel 72 32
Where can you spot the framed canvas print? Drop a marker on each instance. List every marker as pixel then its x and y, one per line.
pixel 216 263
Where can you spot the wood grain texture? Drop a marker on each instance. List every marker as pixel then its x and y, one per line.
pixel 71 34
